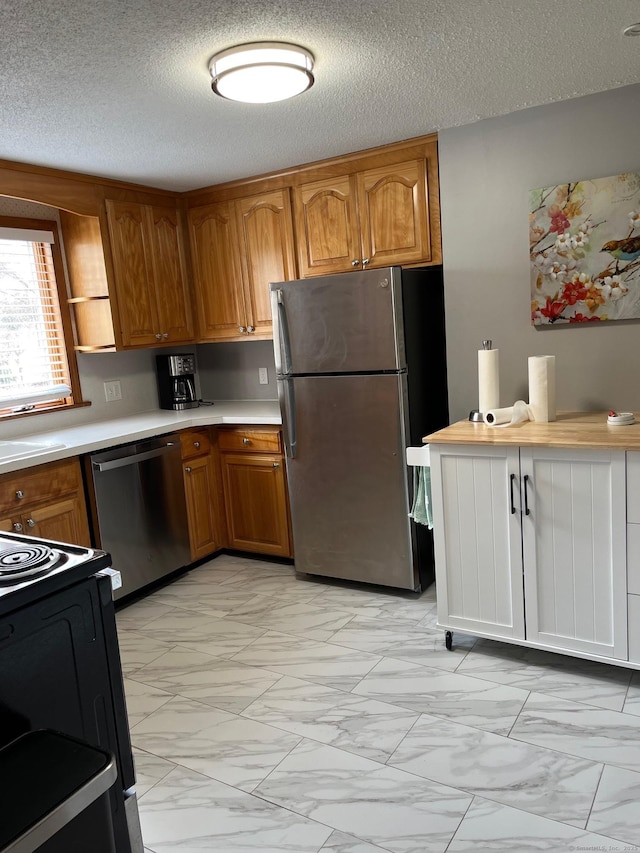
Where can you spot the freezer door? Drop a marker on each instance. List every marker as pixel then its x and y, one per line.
pixel 348 480
pixel 339 323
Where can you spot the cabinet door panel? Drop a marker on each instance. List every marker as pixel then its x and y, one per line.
pixel 173 300
pixel 327 225
pixel 133 272
pixel 633 558
pixel 634 628
pixel 6 525
pixel 477 539
pixel 256 503
pixel 199 489
pixel 64 521
pixel 633 487
pixel 394 219
pixel 266 251
pixel 575 550
pixel 216 270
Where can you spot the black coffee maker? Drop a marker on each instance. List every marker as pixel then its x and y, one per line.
pixel 176 381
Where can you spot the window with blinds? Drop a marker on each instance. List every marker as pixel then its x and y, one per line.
pixel 35 372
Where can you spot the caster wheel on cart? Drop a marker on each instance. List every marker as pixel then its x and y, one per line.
pixel 448 640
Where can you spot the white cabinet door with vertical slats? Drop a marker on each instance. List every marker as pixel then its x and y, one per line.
pixel 574 545
pixel 478 539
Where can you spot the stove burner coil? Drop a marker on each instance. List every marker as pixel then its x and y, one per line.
pixel 25 561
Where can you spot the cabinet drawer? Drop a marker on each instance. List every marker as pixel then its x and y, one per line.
pixel 634 627
pixel 250 440
pixel 633 487
pixel 194 443
pixel 39 484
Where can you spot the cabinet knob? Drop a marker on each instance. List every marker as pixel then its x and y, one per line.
pixel 30 522
pixel 19 495
pixel 165 335
pixel 158 337
pixel 355 262
pixel 196 444
pixel 251 328
pixel 188 469
pixel 276 464
pixel 17 527
pixel 246 441
pixel 242 330
pixel 365 261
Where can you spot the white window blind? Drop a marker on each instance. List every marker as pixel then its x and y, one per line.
pixel 33 358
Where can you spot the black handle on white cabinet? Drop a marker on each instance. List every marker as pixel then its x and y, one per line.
pixel 527 511
pixel 511 479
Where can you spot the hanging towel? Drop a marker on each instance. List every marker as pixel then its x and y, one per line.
pixel 421 509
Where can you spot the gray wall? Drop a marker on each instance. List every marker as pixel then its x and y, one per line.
pixel 229 371
pixel 486 172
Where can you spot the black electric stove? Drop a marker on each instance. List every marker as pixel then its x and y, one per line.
pixel 60 661
pixel 32 568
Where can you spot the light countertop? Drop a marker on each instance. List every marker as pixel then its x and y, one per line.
pixel 101 434
pixel 588 430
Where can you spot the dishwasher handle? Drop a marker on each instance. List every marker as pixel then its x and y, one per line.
pixel 121 461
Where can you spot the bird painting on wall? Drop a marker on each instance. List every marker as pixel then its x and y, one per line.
pixel 584 244
pixel 623 250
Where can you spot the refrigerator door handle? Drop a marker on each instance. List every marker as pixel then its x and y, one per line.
pixel 288 409
pixel 283 351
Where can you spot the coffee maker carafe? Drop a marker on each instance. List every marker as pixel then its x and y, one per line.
pixel 176 381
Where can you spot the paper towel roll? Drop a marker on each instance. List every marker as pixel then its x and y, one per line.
pixel 542 387
pixel 488 380
pixel 516 414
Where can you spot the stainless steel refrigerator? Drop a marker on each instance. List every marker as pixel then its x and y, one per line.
pixel 361 371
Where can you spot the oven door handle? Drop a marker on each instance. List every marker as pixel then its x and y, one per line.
pixel 121 461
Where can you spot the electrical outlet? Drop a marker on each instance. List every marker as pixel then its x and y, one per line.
pixel 263 375
pixel 112 391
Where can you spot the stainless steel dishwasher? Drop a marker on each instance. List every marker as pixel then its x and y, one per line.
pixel 141 509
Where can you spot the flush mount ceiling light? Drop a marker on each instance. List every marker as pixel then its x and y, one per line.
pixel 633 30
pixel 261 72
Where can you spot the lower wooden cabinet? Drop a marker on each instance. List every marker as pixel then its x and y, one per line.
pixel 253 473
pixel 235 489
pixel 46 501
pixel 200 466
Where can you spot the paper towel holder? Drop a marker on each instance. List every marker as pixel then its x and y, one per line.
pixel 475 415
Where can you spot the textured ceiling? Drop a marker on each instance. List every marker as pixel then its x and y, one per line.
pixel 120 88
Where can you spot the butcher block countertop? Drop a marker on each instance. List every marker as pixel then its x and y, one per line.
pixel 587 430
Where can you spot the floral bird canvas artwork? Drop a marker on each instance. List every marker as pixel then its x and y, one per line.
pixel 584 245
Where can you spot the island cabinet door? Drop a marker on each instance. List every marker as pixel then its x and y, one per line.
pixel 574 545
pixel 478 539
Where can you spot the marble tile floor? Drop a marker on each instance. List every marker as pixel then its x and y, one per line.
pixel 273 713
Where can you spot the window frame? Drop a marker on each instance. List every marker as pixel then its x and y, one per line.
pixel 66 324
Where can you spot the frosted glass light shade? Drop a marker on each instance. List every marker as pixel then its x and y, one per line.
pixel 261 72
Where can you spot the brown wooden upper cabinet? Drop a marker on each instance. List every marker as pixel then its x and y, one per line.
pixel 371 218
pixel 150 274
pixel 128 276
pixel 238 247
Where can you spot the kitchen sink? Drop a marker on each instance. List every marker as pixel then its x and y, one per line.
pixel 10 450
